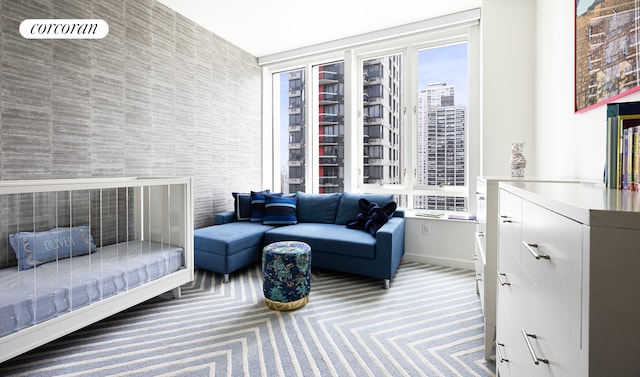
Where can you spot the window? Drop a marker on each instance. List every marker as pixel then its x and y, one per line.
pixel 290 113
pixel 441 125
pixel 395 115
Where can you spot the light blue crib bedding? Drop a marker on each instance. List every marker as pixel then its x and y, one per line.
pixel 35 295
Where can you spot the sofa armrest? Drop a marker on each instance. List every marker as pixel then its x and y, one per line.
pixel 389 248
pixel 225 217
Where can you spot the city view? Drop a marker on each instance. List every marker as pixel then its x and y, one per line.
pixel 441 125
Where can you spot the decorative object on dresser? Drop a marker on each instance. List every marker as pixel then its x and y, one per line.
pixel 518 161
pixel 80 250
pixel 568 287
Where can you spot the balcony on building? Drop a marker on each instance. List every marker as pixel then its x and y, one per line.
pixel 328 161
pixel 328 119
pixel 327 139
pixel 329 98
pixel 373 121
pixel 329 181
pixel 329 77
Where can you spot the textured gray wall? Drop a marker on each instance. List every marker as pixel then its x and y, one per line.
pixel 158 96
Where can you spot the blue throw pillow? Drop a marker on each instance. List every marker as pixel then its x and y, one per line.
pixel 372 217
pixel 242 206
pixel 349 206
pixel 317 208
pixel 280 210
pixel 257 205
pixel 35 248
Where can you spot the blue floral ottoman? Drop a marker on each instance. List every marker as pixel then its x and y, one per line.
pixel 286 275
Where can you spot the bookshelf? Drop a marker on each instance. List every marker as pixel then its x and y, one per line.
pixel 622 169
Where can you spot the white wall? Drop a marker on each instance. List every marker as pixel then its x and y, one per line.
pixel 507 83
pixel 439 241
pixel 567 145
pixel 528 92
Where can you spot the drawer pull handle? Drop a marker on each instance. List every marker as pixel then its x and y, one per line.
pixel 505 221
pixel 499 354
pixel 536 359
pixel 531 246
pixel 502 282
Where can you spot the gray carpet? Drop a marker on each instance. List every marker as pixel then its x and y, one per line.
pixel 428 324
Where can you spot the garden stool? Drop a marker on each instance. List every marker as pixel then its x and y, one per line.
pixel 286 275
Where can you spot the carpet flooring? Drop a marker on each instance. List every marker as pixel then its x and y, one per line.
pixel 429 323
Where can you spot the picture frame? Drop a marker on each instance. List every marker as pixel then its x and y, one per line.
pixel 606 52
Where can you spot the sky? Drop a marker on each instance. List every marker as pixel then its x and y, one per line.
pixel 446 64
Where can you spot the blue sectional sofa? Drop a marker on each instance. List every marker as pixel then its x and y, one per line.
pixel 317 219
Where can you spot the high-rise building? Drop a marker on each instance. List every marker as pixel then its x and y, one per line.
pixel 296 131
pixel 382 125
pixel 382 112
pixel 441 145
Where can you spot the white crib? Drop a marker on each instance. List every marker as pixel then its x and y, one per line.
pixel 75 251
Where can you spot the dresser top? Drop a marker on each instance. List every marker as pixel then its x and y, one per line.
pixel 588 203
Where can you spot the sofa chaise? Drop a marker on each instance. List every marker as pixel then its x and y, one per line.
pixel 324 221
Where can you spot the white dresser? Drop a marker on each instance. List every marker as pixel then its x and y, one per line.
pixel 568 280
pixel 486 251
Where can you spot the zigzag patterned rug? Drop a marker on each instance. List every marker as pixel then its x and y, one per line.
pixel 428 324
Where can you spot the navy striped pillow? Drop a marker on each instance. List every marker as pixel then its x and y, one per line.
pixel 280 210
pixel 257 205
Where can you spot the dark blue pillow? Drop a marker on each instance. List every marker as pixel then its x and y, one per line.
pixel 349 206
pixel 372 217
pixel 257 205
pixel 280 210
pixel 242 206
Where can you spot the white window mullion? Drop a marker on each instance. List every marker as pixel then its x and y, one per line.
pixel 270 130
pixel 352 122
pixel 311 136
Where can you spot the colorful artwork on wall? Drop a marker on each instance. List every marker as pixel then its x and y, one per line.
pixel 606 52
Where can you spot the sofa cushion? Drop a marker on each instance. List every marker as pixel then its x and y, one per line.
pixel 317 208
pixel 229 238
pixel 349 206
pixel 279 210
pixel 327 238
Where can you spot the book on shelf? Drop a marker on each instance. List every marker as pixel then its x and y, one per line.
pixel 622 168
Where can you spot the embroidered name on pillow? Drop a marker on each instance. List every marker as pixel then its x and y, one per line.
pixel 35 248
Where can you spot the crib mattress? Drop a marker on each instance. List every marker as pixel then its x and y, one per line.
pixel 32 296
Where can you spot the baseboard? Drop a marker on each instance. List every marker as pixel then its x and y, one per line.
pixel 467 265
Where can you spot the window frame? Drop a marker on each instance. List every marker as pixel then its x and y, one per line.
pixel 408 44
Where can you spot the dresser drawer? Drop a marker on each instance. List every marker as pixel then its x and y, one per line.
pixel 551 256
pixel 509 358
pixel 510 225
pixel 479 264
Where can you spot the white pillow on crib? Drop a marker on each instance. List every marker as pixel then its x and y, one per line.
pixel 35 248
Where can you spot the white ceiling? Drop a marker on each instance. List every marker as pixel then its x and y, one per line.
pixel 263 27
